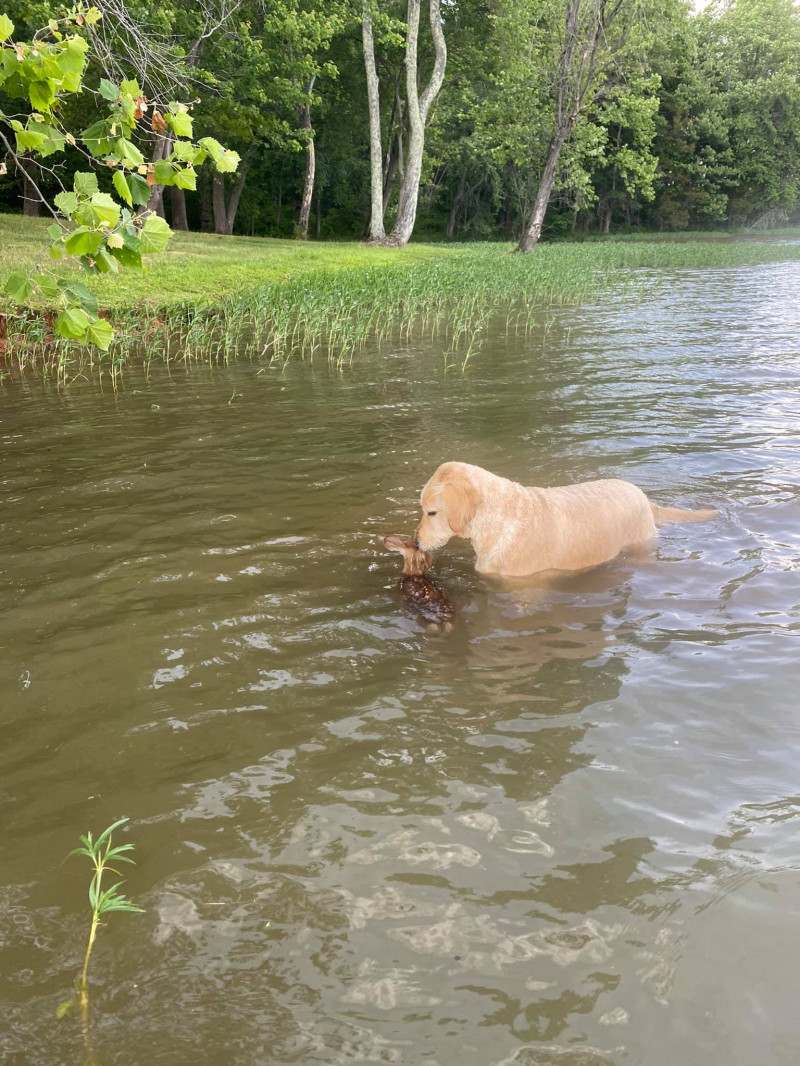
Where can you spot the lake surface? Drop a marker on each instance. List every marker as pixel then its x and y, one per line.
pixel 565 834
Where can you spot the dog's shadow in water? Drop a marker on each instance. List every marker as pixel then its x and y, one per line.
pixel 510 630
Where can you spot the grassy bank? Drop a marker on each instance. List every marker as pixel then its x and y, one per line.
pixel 202 266
pixel 213 298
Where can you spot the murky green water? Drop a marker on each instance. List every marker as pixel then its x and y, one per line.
pixel 565 834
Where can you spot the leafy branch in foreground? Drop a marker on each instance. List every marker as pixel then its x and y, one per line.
pixel 101 853
pixel 91 225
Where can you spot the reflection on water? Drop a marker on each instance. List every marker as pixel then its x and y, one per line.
pixel 565 833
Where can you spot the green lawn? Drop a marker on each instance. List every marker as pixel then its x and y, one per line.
pixel 204 266
pixel 204 269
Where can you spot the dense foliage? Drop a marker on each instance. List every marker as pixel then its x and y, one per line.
pixel 684 118
pixel 40 78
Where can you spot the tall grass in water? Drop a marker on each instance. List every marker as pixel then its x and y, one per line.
pixel 103 901
pixel 335 313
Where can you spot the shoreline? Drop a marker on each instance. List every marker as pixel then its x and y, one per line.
pixel 331 300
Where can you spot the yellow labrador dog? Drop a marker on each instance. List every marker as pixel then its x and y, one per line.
pixel 518 531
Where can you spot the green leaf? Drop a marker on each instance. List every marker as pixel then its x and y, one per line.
pixel 78 293
pixel 140 190
pixel 97 138
pixel 54 231
pixel 6 28
pixel 66 202
pixel 123 904
pixel 163 172
pixel 81 851
pixel 108 90
pixel 213 147
pixel 106 208
pixel 183 150
pixel 65 1006
pixel 130 88
pixel 92 16
pixel 127 152
pixel 19 287
pixel 128 257
pixel 154 235
pixel 115 852
pixel 101 333
pixel 186 179
pixel 228 162
pixel 72 58
pixel 41 94
pixel 121 185
pixel 181 122
pixel 83 241
pixel 48 285
pixel 29 139
pixel 85 215
pixel 84 184
pixel 54 139
pixel 105 263
pixel 73 324
pixel 107 833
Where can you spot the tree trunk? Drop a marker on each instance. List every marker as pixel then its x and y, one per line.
pixel 451 222
pixel 178 201
pixel 417 111
pixel 218 201
pixel 162 149
pixel 30 200
pixel 533 231
pixel 225 216
pixel 311 165
pixel 604 217
pixel 394 153
pixel 308 192
pixel 205 201
pixel 391 170
pixel 236 193
pixel 376 233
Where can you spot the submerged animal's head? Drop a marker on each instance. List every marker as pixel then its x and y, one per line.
pixel 415 560
pixel 449 500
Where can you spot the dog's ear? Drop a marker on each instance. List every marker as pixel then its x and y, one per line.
pixel 395 543
pixel 461 499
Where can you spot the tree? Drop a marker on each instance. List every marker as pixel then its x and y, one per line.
pixel 102 232
pixel 376 233
pixel 755 49
pixel 504 118
pixel 584 56
pixel 418 106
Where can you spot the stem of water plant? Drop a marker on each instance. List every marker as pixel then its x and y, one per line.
pixel 101 853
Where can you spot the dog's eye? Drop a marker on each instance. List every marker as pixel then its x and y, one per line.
pixel 431 514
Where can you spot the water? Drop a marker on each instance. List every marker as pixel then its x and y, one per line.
pixel 567 833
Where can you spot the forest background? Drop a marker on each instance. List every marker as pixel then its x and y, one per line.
pixel 650 114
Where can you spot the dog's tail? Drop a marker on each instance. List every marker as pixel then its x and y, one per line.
pixel 675 514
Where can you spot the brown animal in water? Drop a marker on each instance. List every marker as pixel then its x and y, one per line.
pixel 424 594
pixel 517 531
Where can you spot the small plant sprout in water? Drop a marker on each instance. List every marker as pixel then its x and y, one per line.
pixel 102 853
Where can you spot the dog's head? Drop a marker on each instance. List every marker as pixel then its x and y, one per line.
pixel 449 503
pixel 415 560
